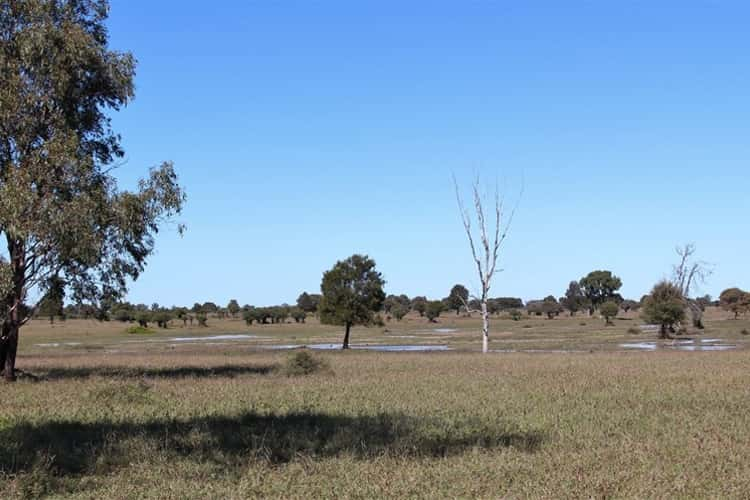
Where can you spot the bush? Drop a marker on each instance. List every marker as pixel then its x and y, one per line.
pixel 515 315
pixel 138 330
pixel 745 332
pixel 633 330
pixel 609 310
pixel 303 363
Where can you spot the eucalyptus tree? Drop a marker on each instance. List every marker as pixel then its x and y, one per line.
pixel 62 215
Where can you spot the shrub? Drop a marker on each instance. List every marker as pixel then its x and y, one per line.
pixel 609 310
pixel 202 319
pixel 745 332
pixel 303 363
pixel 633 330
pixel 138 330
pixel 515 315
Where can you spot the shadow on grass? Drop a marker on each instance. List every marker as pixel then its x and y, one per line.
pixel 144 372
pixel 96 448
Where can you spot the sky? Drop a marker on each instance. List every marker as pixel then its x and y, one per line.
pixel 304 132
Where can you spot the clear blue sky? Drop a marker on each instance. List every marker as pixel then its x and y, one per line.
pixel 308 131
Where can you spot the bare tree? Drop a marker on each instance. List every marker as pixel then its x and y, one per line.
pixel 688 273
pixel 486 257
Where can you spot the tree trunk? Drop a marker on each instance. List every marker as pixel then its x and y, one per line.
pixel 346 336
pixel 9 349
pixel 485 328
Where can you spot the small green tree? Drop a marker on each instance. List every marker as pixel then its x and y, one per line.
pixel 609 310
pixel 458 298
pixel 574 299
pixel 352 294
pixel 665 306
pixel 433 310
pixel 735 301
pixel 298 315
pixel 201 318
pixel 551 307
pixel 399 311
pixel 307 302
pixel 233 308
pixel 419 304
pixel 599 287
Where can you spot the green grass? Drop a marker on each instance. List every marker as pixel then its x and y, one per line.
pixel 225 421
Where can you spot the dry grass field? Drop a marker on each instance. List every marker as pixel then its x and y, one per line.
pixel 563 410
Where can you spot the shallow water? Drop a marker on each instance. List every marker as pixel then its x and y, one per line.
pixel 211 337
pixel 681 345
pixel 445 330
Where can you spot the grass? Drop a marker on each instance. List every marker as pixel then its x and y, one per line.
pixel 225 421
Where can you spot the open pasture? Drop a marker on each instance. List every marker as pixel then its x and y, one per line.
pixel 98 413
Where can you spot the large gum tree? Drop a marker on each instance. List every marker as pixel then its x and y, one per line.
pixel 62 217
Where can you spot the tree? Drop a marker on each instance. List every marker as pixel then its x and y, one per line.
pixel 233 308
pixel 599 287
pixel 209 307
pixel 419 304
pixel 298 315
pixel 433 310
pixel 458 298
pixel 486 258
pixel 609 310
pixel 399 311
pixel 307 302
pixel 551 307
pixel 627 305
pixel 352 293
pixel 665 306
pixel 51 304
pixel 574 299
pixel 735 301
pixel 61 213
pixel 685 275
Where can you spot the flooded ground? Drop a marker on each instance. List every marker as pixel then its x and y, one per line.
pixel 681 345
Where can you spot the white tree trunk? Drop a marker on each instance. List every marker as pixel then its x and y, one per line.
pixel 485 328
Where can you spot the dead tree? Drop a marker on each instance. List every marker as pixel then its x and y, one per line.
pixel 688 273
pixel 486 258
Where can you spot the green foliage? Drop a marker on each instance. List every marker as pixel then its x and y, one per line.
pixel 202 319
pixel 665 306
pixel 302 362
pixel 60 206
pixel 609 310
pixel 233 307
pixel 352 292
pixel 433 310
pixel 515 314
pixel 419 304
pixel 458 298
pixel 138 330
pixel 298 315
pixel 599 287
pixel 735 300
pixel 574 299
pixel 551 307
pixel 308 302
pixel 144 318
pixel 399 311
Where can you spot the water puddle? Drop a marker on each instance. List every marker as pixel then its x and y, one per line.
pixel 211 338
pixel 681 345
pixel 57 344
pixel 445 330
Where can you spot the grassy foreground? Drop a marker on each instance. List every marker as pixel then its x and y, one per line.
pixel 190 424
